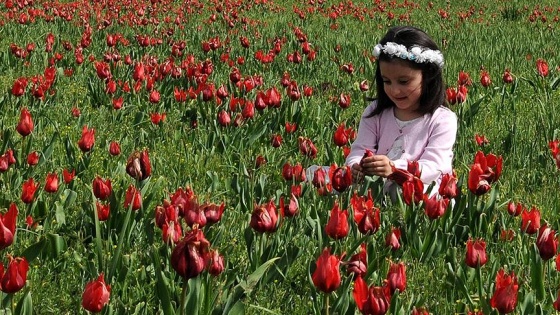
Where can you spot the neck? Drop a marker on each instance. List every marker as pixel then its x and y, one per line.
pixel 405 115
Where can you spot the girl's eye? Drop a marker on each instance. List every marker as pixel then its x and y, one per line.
pixel 403 82
pixel 386 82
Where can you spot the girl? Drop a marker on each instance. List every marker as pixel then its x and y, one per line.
pixel 409 120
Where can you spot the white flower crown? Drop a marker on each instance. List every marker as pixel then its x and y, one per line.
pixel 416 53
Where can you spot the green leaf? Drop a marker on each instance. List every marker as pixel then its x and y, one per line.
pixel 537 274
pixel 162 286
pixel 59 214
pixel 33 251
pixel 55 245
pixel 252 280
pixel 25 305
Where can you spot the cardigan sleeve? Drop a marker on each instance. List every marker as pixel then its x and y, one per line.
pixel 366 138
pixel 437 157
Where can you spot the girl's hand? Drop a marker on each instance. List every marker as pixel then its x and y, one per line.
pixel 379 165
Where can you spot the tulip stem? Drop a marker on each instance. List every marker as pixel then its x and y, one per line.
pixel 327 304
pixel 184 296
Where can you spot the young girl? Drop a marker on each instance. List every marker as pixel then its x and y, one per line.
pixel 409 120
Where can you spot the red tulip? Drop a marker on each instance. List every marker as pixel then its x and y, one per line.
pixel 103 210
pixel 505 294
pixel 171 232
pixel 344 101
pixel 25 124
pixel 213 212
pixel 224 118
pixel 343 135
pixel 464 78
pixel 507 77
pixel 264 218
pixel 8 226
pixel 476 253
pixel 485 170
pixel 413 191
pixel 96 295
pixel 114 148
pixel 326 276
pixel 214 263
pixel 28 191
pixel 423 311
pixel 87 140
pixel 357 265
pixel 462 92
pixel 373 300
pixel 188 255
pixel 547 243
pixel 364 86
pixel 451 94
pixel 396 277
pixel 138 165
pixel 273 97
pixel 485 79
pixel 448 186
pixel 556 302
pixel 15 275
pixel 133 197
pixel 530 220
pixel 337 226
pixel 341 177
pixel 51 183
pixel 366 215
pixel 276 140
pixel 157 118
pixel 291 209
pixel 154 97
pixel 307 147
pixel 435 206
pixel 392 239
pixel 102 188
pixel 18 89
pixel 33 158
pixel 555 150
pixel 68 176
pixel 102 69
pixel 542 67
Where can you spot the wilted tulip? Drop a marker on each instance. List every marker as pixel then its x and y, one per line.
pixel 138 165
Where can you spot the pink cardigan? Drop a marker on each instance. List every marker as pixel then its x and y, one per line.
pixel 428 140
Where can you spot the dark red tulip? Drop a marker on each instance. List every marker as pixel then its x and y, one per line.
pixel 114 148
pixel 547 243
pixel 273 97
pixel 138 165
pixel 476 253
pixel 413 191
pixel 435 206
pixel 556 302
pixel 213 212
pixel 68 176
pixel 102 188
pixel 214 263
pixel 507 77
pixel 396 277
pixel 194 215
pixel 326 276
pixel 276 141
pixel 103 210
pixel 224 118
pixel 51 183
pixel 171 232
pixel 96 295
pixel 344 101
pixel 18 89
pixel 448 186
pixel 341 177
pixel 364 86
pixel 424 311
pixel 343 135
pixel 14 277
pixel 307 147
pixel 87 140
pixel 8 226
pixel 264 218
pixel 28 190
pixel 505 293
pixel 25 124
pixel 188 255
pixel 485 79
pixel 357 265
pixel 337 227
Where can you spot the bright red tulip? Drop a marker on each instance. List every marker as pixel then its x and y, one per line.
pixel 396 277
pixel 485 79
pixel 421 311
pixel 464 78
pixel 337 227
pixel 530 220
pixel 102 188
pixel 547 243
pixel 485 170
pixel 373 300
pixel 341 177
pixel 413 191
pixel 68 176
pixel 103 210
pixel 87 140
pixel 14 277
pixel 505 294
pixel 366 215
pixel 451 95
pixel 326 276
pixel 18 89
pixel 96 295
pixel 33 158
pixel 343 135
pixel 556 302
pixel 435 206
pixel 25 124
pixel 133 198
pixel 555 150
pixel 542 67
pixel 476 253
pixel 273 97
pixel 8 226
pixel 448 186
pixel 188 255
pixel 114 148
pixel 28 190
pixel 291 209
pixel 51 183
pixel 138 165
pixel 507 77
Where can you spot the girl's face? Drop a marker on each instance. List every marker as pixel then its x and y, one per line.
pixel 403 85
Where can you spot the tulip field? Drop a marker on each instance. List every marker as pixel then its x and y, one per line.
pixel 154 159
